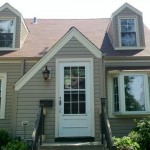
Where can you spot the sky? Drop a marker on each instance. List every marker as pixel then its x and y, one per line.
pixel 76 9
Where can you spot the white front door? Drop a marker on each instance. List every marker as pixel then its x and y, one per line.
pixel 74 100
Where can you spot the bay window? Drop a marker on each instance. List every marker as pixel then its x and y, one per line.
pixel 129 94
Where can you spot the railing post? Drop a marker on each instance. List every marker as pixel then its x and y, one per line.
pixel 103 100
pixel 41 124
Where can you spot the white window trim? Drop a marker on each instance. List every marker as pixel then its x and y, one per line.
pixel 136 30
pixel 14 34
pixel 3 78
pixel 122 111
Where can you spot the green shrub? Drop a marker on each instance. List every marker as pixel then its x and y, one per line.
pixel 15 145
pixel 4 137
pixel 142 129
pixel 125 143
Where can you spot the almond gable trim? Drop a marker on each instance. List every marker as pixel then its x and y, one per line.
pixel 15 11
pixel 73 32
pixel 126 5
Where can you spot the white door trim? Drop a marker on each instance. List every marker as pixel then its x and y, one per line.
pixel 71 60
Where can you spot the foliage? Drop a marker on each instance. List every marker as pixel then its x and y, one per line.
pixel 4 137
pixel 138 139
pixel 15 145
pixel 7 143
pixel 142 128
pixel 125 143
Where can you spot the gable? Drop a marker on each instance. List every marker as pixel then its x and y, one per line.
pixel 126 6
pixel 72 33
pixel 120 38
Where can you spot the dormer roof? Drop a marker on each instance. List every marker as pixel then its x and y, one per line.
pixel 126 5
pixel 15 11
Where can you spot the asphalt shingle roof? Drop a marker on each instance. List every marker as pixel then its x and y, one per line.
pixel 47 32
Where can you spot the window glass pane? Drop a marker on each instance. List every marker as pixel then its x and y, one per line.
pixel 67 83
pixel 128 39
pixel 81 71
pixel 6 33
pixel 74 108
pixel 82 96
pixel 116 94
pixel 74 71
pixel 67 96
pixel 82 83
pixel 67 72
pixel 74 96
pixel 82 108
pixel 134 93
pixel 67 108
pixel 128 33
pixel 74 83
pixel 6 26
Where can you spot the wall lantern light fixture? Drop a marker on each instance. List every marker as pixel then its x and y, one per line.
pixel 46 73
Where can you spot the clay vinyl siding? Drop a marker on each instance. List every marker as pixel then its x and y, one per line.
pixel 110 32
pixel 127 13
pixel 37 88
pixel 23 34
pixel 13 74
pixel 6 13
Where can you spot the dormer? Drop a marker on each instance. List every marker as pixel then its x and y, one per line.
pixel 126 29
pixel 13 30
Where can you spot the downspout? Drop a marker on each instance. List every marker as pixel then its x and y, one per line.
pixel 103 76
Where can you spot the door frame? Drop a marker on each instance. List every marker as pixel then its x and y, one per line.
pixel 71 60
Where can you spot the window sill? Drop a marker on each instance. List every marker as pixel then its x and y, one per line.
pixel 129 115
pixel 129 48
pixel 8 49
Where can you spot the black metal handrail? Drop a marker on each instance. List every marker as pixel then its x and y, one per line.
pixel 106 130
pixel 38 130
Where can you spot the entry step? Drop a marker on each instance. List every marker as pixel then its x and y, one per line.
pixel 73 146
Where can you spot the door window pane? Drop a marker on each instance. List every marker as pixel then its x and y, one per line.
pixel 82 83
pixel 82 96
pixel 74 96
pixel 67 108
pixel 67 72
pixel 74 90
pixel 74 83
pixel 74 71
pixel 74 108
pixel 67 96
pixel 82 108
pixel 134 93
pixel 81 71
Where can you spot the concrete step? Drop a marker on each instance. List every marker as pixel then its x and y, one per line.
pixel 73 146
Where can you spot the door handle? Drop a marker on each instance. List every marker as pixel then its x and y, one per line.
pixel 59 100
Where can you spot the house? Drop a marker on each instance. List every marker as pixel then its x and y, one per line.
pixel 87 59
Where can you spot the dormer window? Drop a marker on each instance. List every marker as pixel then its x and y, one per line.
pixel 6 33
pixel 128 32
